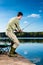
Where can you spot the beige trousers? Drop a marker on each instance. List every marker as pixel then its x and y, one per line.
pixel 13 37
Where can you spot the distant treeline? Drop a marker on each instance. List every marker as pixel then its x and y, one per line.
pixel 24 34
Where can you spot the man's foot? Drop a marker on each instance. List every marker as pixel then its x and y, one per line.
pixel 12 55
pixel 12 52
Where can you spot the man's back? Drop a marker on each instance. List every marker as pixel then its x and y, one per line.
pixel 12 24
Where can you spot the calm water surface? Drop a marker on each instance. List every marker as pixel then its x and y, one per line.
pixel 32 52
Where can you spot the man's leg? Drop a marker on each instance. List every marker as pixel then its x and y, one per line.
pixel 13 37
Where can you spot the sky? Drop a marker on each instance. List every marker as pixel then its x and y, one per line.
pixel 32 20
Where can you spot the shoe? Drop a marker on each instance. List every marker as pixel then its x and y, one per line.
pixel 12 52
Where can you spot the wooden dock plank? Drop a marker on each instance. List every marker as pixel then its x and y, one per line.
pixel 5 60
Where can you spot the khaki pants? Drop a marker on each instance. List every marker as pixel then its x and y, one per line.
pixel 13 37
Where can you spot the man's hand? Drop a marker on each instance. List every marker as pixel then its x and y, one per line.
pixel 20 31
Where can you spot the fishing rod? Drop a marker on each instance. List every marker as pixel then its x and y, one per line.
pixel 27 25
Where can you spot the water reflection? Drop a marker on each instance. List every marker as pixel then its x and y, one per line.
pixel 31 40
pixel 33 52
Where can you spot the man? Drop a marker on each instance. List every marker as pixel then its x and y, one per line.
pixel 11 27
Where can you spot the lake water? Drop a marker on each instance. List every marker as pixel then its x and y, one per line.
pixel 32 52
pixel 30 49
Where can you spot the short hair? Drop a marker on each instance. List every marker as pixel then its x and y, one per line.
pixel 20 14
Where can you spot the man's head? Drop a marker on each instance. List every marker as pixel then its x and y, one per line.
pixel 19 15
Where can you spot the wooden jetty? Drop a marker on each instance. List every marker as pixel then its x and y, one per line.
pixel 6 60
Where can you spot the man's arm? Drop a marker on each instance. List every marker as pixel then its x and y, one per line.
pixel 18 27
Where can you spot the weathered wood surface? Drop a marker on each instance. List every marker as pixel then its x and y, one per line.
pixel 5 60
